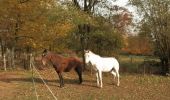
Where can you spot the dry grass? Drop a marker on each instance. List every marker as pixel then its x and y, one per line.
pixel 17 85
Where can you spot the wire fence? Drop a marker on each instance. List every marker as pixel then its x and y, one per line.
pixel 32 66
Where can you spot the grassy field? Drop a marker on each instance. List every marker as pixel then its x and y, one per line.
pixel 17 85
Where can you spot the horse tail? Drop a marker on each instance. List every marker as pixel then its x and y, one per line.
pixel 115 66
pixel 117 71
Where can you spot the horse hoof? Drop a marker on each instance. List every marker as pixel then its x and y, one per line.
pixel 61 86
pixel 100 86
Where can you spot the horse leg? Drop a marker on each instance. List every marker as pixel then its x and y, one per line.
pixel 79 72
pixel 114 74
pixel 100 77
pixel 61 80
pixel 118 83
pixel 97 76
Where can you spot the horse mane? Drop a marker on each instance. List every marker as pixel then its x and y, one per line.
pixel 99 55
pixel 94 54
pixel 54 54
pixel 49 53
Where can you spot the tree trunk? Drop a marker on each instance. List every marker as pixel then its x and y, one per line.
pixel 82 53
pixel 4 59
pixel 13 58
pixel 2 47
pixel 8 56
pixel 25 60
pixel 31 60
pixel 83 30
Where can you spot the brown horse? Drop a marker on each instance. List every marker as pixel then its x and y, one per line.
pixel 63 64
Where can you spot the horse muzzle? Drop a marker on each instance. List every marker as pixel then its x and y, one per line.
pixel 43 62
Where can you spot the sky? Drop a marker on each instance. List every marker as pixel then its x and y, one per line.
pixel 124 3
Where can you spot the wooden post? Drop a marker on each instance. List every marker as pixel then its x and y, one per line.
pixel 13 58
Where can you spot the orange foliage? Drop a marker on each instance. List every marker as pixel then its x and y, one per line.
pixel 138 45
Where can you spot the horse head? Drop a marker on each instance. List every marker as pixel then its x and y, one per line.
pixel 44 53
pixel 87 55
pixel 44 58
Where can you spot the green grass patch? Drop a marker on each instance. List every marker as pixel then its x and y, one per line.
pixel 131 63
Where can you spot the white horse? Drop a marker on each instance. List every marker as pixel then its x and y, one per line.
pixel 102 64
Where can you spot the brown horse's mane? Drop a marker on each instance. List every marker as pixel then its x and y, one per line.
pixel 54 54
pixel 60 55
pixel 57 58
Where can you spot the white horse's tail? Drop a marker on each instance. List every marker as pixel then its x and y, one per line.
pixel 116 70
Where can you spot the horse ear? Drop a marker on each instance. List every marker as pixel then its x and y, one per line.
pixel 44 52
pixel 90 51
pixel 86 51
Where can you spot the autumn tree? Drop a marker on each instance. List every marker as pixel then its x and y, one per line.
pixel 156 14
pixel 24 22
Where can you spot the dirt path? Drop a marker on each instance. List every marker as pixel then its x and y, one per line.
pixel 17 85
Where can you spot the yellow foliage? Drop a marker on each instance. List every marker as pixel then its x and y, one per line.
pixel 64 28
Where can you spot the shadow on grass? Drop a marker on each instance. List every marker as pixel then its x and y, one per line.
pixel 49 82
